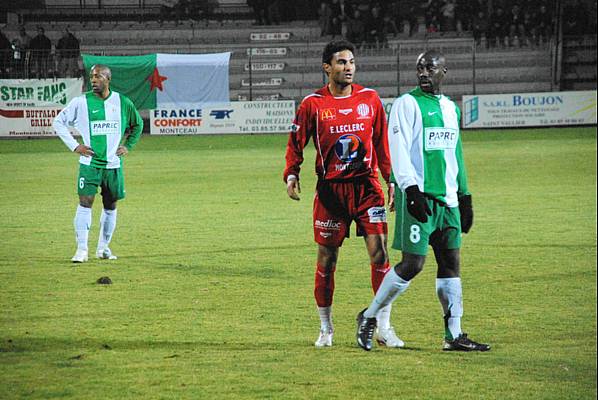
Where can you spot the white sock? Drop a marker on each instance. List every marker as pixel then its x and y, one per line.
pixel 107 226
pixel 450 294
pixel 391 287
pixel 325 318
pixel 82 224
pixel 383 317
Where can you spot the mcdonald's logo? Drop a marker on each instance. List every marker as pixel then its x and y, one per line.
pixel 328 114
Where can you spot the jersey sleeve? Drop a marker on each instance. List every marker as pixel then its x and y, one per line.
pixel 463 188
pixel 65 118
pixel 401 127
pixel 380 141
pixel 134 124
pixel 301 131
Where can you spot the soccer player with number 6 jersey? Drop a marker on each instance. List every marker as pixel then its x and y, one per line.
pixel 347 125
pixel 102 117
pixel 433 205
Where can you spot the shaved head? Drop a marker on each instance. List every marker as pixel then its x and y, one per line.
pixel 103 70
pixel 431 69
pixel 432 55
pixel 99 77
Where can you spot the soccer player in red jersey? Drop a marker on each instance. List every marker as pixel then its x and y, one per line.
pixel 347 125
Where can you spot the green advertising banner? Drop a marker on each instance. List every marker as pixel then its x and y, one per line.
pixel 28 106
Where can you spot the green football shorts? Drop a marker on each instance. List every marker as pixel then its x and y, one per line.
pixel 442 231
pixel 111 181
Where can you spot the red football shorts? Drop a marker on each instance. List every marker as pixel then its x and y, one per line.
pixel 338 203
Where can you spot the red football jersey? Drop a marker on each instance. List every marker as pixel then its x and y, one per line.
pixel 349 134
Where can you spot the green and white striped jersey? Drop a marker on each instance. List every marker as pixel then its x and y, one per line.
pixel 425 145
pixel 102 123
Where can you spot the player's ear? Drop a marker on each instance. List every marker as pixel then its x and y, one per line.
pixel 326 67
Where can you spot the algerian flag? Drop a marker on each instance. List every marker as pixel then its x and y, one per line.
pixel 167 80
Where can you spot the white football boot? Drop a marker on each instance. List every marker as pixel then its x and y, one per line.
pixel 80 256
pixel 325 339
pixel 388 338
pixel 105 254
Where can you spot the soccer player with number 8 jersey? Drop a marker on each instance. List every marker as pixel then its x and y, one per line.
pixel 347 125
pixel 433 205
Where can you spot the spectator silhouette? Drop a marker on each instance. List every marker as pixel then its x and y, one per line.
pixel 356 29
pixel 517 35
pixel 40 48
pixel 479 27
pixel 20 54
pixel 543 22
pixel 324 18
pixel 498 29
pixel 5 53
pixel 574 18
pixel 167 10
pixel 68 53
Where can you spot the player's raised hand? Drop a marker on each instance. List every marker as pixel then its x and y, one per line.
pixel 84 150
pixel 293 188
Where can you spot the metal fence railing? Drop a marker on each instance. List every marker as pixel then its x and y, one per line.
pixel 17 63
pixel 293 70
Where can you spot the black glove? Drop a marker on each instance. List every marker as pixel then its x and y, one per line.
pixel 417 204
pixel 466 210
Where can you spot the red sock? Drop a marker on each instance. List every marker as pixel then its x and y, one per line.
pixel 324 286
pixel 378 273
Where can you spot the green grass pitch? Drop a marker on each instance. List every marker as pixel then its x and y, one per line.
pixel 212 293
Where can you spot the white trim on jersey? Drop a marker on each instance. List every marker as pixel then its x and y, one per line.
pixel 311 95
pixel 112 110
pixel 318 141
pixel 405 145
pixel 365 89
pixel 74 116
pixel 450 119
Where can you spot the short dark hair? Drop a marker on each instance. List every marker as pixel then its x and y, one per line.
pixel 334 47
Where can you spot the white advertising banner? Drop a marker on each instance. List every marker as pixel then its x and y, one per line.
pixel 268 36
pixel 267 51
pixel 265 66
pixel 235 117
pixel 28 106
pixel 260 97
pixel 262 82
pixel 529 109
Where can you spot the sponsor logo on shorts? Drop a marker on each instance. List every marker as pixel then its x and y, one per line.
pixel 295 128
pixel 330 225
pixel 377 214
